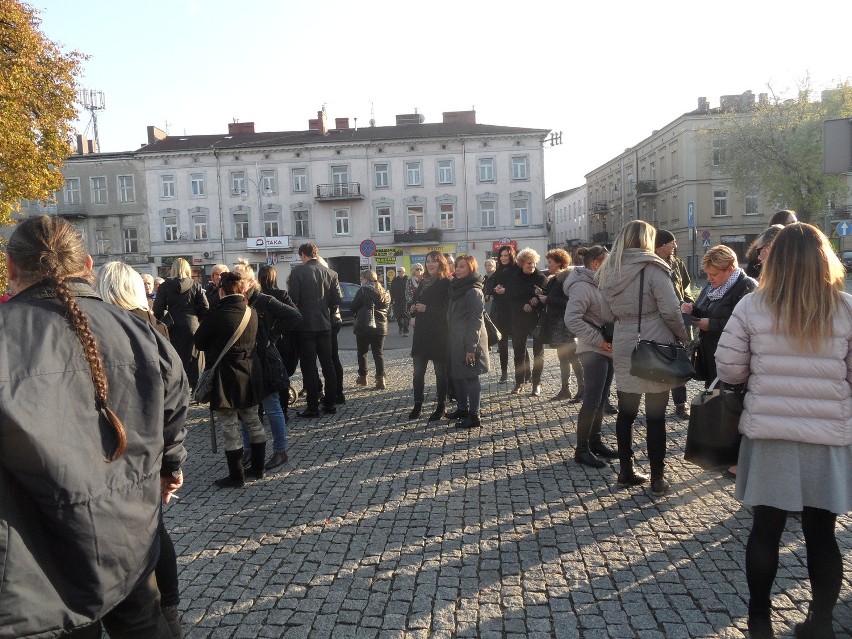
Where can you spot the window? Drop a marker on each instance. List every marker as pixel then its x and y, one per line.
pixel 301 224
pixel 196 185
pixel 238 183
pixel 99 190
pixel 199 227
pixel 102 241
pixel 300 180
pixel 270 224
pixel 445 171
pixel 653 170
pixel 126 189
pixel 131 240
pixel 718 153
pixel 381 176
pixel 268 183
pixel 522 212
pixel 340 180
pixel 752 204
pixel 487 213
pixel 72 191
pixel 383 219
pixel 448 216
pixel 170 228
pixel 486 169
pixel 720 203
pixel 520 168
pixel 241 227
pixel 341 221
pixel 674 167
pixel 412 174
pixel 416 218
pixel 167 187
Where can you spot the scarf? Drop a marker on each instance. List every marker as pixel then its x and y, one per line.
pixel 427 282
pixel 459 287
pixel 718 293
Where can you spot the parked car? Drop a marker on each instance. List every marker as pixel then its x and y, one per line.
pixel 846 258
pixel 347 290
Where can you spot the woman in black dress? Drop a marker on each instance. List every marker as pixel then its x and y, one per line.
pixel 501 311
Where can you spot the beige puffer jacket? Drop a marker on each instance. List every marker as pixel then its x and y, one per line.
pixel 793 395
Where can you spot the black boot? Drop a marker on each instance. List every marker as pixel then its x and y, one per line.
pixel 471 420
pixel 236 476
pixel 627 476
pixel 438 413
pixel 258 461
pixel 596 444
pixel 813 628
pixel 578 397
pixel 564 393
pixel 415 412
pixel 582 454
pixel 760 624
pixel 458 413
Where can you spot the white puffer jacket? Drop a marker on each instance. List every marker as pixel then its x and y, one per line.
pixel 796 396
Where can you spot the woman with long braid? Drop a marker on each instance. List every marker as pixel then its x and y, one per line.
pixel 92 404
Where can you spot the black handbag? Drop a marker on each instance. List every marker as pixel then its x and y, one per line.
pixel 664 363
pixel 203 392
pixel 491 330
pixel 541 331
pixel 713 437
pixel 275 377
pixel 607 330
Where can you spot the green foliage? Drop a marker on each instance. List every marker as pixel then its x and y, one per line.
pixel 776 148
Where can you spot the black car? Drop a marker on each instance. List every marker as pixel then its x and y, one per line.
pixel 347 290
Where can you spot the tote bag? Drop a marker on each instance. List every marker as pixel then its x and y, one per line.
pixel 713 437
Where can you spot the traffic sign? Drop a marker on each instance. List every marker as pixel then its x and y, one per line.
pixel 368 247
pixel 705 244
pixel 705 235
pixel 844 229
pixel 690 214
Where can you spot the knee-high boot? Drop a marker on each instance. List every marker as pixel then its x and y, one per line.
pixel 582 454
pixel 236 474
pixel 596 444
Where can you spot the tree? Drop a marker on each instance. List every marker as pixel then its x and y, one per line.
pixel 775 146
pixel 37 92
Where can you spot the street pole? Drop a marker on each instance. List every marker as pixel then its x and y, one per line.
pixel 260 212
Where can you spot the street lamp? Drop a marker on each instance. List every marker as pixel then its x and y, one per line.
pixel 266 191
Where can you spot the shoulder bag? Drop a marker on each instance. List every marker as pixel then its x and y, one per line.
pixel 664 363
pixel 204 387
pixel 713 437
pixel 491 329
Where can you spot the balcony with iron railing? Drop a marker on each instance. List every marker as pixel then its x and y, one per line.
pixel 342 191
pixel 646 187
pixel 413 236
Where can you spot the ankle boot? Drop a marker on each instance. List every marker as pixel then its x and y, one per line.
pixel 587 458
pixel 361 380
pixel 596 444
pixel 563 394
pixel 627 476
pixel 578 397
pixel 380 383
pixel 236 474
pixel 458 413
pixel 415 412
pixel 438 413
pixel 471 420
pixel 258 461
pixel 814 628
pixel 760 624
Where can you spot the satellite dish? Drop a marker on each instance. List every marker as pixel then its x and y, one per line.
pixel 372 122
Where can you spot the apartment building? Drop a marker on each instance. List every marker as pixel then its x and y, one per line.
pixel 569 217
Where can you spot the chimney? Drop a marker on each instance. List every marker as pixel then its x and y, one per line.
pixel 320 124
pixel 82 144
pixel 763 99
pixel 410 118
pixel 91 145
pixel 155 134
pixel 459 117
pixel 703 105
pixel 235 128
pixel 341 123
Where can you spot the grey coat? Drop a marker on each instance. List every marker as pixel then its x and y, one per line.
pixel 661 317
pixel 467 328
pixel 584 306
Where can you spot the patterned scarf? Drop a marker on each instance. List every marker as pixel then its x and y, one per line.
pixel 718 293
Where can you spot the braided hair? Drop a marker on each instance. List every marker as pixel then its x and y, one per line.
pixel 51 250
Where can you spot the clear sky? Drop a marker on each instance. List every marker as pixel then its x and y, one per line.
pixel 605 74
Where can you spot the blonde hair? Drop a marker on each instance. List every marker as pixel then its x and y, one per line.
pixel 801 282
pixel 528 254
pixel 121 286
pixel 720 257
pixel 635 234
pixel 369 276
pixel 245 269
pixel 180 268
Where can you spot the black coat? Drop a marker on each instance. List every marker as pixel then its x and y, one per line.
pixel 185 301
pixel 239 377
pixel 397 293
pixel 521 290
pixel 381 302
pixel 77 533
pixel 430 326
pixel 501 308
pixel 316 292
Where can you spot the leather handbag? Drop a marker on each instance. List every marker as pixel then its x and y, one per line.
pixel 204 388
pixel 713 437
pixel 275 377
pixel 491 329
pixel 664 363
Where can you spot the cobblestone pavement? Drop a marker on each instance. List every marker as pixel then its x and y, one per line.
pixel 381 527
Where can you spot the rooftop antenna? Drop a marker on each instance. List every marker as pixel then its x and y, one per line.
pixel 93 101
pixel 372 115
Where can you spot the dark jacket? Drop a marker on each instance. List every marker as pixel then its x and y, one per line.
pixel 185 301
pixel 78 534
pixel 501 311
pixel 719 312
pixel 430 326
pixel 397 293
pixel 288 343
pixel 467 327
pixel 148 316
pixel 521 290
pixel 315 290
pixel 239 380
pixel 275 320
pixel 380 301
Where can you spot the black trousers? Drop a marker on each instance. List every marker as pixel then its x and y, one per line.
pixel 166 570
pixel 520 333
pixel 370 342
pixel 655 418
pixel 313 345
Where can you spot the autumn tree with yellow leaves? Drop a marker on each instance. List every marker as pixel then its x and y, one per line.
pixel 37 93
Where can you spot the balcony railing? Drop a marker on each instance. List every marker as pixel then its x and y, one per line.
pixel 343 191
pixel 415 236
pixel 646 187
pixel 600 207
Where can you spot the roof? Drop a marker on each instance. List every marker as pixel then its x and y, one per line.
pixel 175 143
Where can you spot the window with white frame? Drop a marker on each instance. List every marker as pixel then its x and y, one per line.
pixel 718 152
pixel 102 240
pixel 268 183
pixel 416 218
pixel 301 223
pixel 170 228
pixel 487 213
pixel 341 221
pixel 413 175
pixel 752 203
pixel 199 226
pixel 99 190
pixel 167 187
pixel 196 185
pixel 131 240
pixel 521 211
pixel 126 189
pixel 381 176
pixel 447 216
pixel 520 168
pixel 340 179
pixel 485 172
pixel 653 170
pixel 445 171
pixel 241 225
pixel 72 191
pixel 720 203
pixel 299 177
pixel 383 219
pixel 238 183
pixel 271 226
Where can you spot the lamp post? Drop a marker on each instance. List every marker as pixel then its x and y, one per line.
pixel 267 191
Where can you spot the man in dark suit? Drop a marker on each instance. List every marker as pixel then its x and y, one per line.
pixel 315 290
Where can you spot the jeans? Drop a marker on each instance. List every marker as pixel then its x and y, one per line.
pixel 376 343
pixel 597 375
pixel 520 333
pixel 468 393
pixel 277 422
pixel 655 418
pixel 567 356
pixel 420 364
pixel 313 345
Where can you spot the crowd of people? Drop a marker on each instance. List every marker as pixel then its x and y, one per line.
pixel 784 333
